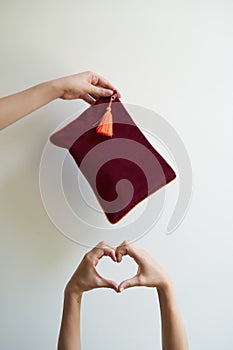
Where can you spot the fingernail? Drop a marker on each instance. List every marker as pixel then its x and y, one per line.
pixel 119 94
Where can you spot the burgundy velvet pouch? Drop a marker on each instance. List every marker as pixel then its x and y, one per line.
pixel 122 169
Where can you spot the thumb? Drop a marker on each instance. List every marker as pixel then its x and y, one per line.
pixel 99 91
pixel 105 283
pixel 132 282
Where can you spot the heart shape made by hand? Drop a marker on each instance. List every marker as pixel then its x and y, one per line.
pixel 86 277
pixel 119 272
pixel 116 254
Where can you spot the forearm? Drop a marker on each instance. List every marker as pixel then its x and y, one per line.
pixel 69 337
pixel 16 106
pixel 173 331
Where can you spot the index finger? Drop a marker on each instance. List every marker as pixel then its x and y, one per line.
pixel 102 249
pixel 127 248
pixel 101 81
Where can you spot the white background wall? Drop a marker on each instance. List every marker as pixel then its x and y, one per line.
pixel 174 57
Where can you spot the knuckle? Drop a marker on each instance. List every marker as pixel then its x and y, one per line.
pixel 88 257
pixel 126 242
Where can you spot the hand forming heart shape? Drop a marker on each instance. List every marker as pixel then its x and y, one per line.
pixel 149 274
pixel 86 277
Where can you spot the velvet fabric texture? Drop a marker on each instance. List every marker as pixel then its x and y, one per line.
pixel 123 169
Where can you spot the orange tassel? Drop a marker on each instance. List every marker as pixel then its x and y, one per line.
pixel 105 126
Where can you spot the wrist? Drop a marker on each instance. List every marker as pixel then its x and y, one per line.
pixel 167 299
pixel 166 285
pixel 57 87
pixel 71 304
pixel 72 294
pixel 166 291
